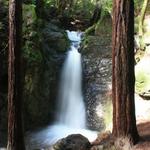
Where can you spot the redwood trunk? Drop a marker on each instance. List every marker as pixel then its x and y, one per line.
pixel 123 78
pixel 15 130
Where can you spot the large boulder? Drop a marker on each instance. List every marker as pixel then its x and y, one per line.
pixel 41 79
pixel 97 62
pixel 104 26
pixel 55 38
pixel 73 142
pixel 45 45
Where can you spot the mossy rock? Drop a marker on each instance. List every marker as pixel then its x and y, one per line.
pixel 97 38
pixel 73 142
pixel 29 14
pixel 90 30
pixel 96 45
pixel 104 26
pixel 55 38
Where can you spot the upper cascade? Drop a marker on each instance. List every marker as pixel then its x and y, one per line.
pixel 74 36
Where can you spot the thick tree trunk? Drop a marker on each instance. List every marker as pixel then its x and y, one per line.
pixel 15 131
pixel 123 79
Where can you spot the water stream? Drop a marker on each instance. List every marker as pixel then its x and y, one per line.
pixel 71 116
pixel 71 109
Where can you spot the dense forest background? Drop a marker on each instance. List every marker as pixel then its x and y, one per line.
pixel 44 47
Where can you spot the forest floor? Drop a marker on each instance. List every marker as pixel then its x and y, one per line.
pixel 143 123
pixel 144 132
pixel 143 106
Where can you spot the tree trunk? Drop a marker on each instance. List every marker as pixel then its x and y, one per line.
pixel 123 78
pixel 96 14
pixel 40 8
pixel 15 130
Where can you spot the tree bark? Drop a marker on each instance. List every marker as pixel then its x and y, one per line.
pixel 15 129
pixel 123 78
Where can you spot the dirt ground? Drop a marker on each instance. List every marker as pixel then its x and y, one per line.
pixel 144 132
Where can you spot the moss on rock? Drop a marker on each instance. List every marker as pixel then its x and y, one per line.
pixel 104 26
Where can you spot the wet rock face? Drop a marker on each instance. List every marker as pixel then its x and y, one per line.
pixel 97 80
pixel 42 80
pixel 55 38
pixel 73 142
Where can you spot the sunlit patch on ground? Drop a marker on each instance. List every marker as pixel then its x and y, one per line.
pixel 142 109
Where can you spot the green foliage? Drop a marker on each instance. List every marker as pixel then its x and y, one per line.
pixel 103 26
pixel 107 6
pixel 5 2
pixel 108 114
pixel 29 14
pixel 137 5
pixel 84 6
pixel 77 8
pixel 50 2
pixel 88 6
pixel 3 35
pixel 142 81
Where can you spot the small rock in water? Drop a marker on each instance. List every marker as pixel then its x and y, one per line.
pixel 73 142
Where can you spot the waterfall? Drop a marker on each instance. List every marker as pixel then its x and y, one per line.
pixel 71 118
pixel 71 110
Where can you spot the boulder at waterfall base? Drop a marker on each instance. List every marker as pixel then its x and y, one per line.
pixel 73 142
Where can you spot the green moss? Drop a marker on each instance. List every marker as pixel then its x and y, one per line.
pixel 31 35
pixel 108 114
pixel 90 30
pixel 29 14
pixel 104 26
pixel 136 24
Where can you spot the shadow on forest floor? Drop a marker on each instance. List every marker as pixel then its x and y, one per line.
pixel 144 132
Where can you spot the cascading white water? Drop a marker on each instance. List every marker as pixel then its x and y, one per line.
pixel 71 117
pixel 71 110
